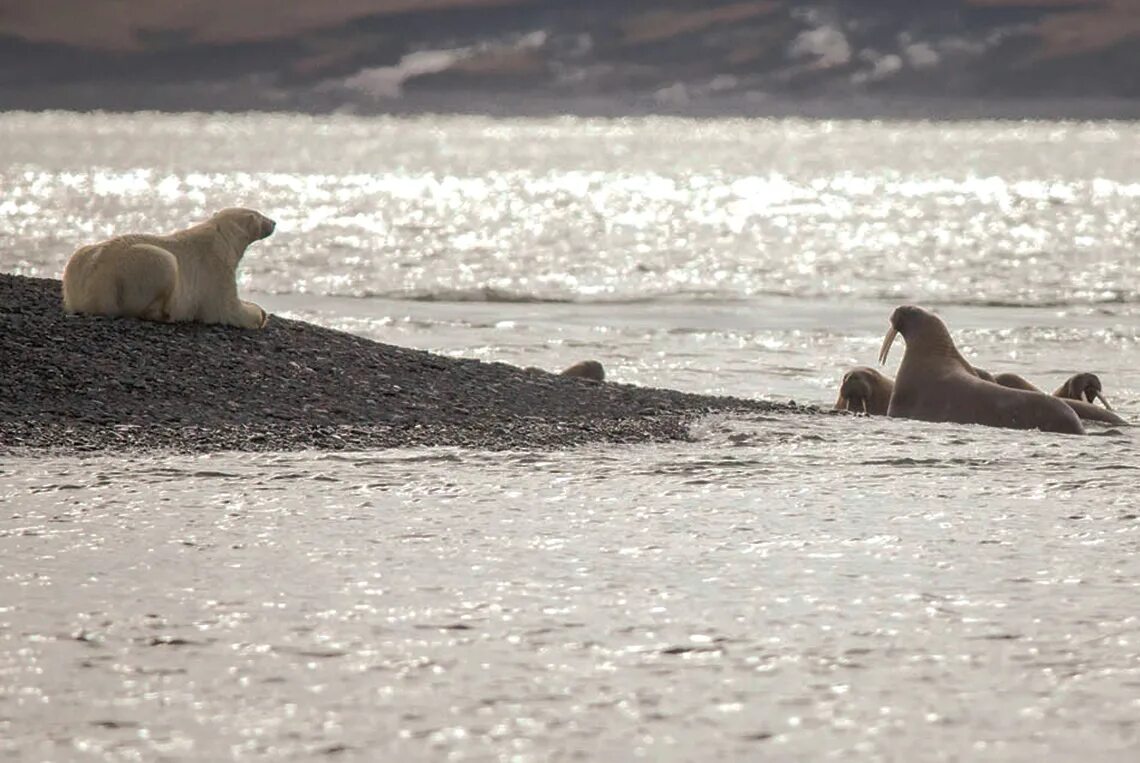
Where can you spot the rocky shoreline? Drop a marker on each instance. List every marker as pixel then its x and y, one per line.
pixel 83 383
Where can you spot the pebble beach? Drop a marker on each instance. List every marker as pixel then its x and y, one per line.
pixel 84 383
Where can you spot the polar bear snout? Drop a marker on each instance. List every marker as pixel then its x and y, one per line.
pixel 260 226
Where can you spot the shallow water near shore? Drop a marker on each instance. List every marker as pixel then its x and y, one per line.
pixel 784 587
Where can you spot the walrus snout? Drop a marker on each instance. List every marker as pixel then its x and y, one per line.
pixel 854 403
pixel 267 227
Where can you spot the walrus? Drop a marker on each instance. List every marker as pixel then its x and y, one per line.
pixel 590 370
pixel 1082 386
pixel 865 389
pixel 1070 393
pixel 935 383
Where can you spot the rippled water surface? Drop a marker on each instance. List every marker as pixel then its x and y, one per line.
pixel 784 588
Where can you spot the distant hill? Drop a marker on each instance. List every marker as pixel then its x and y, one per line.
pixel 1032 57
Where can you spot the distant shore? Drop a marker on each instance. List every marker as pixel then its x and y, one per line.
pixel 84 383
pixel 879 108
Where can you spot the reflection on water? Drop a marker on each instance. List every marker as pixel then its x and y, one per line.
pixel 783 588
pixel 1035 213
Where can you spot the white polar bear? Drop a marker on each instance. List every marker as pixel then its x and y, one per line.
pixel 185 276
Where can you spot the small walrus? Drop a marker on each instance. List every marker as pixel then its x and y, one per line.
pixel 1082 386
pixel 865 390
pixel 935 383
pixel 1070 392
pixel 590 370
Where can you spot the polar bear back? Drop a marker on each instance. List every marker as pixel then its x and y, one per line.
pixel 189 275
pixel 126 276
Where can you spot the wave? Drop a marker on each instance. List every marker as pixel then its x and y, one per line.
pixel 490 294
pixel 477 294
pixel 495 295
pixel 1119 298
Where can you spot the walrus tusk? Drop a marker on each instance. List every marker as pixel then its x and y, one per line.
pixel 888 340
pixel 864 402
pixel 1100 397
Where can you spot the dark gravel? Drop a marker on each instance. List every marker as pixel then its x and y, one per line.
pixel 84 383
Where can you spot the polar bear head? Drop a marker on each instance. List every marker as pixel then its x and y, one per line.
pixel 241 227
pixel 238 228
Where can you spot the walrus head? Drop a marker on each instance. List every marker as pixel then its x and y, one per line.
pixel 1083 386
pixel 917 324
pixel 854 392
pixel 864 390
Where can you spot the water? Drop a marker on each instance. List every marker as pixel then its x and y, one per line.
pixel 786 588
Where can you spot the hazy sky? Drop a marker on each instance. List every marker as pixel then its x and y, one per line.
pixel 671 50
pixel 111 24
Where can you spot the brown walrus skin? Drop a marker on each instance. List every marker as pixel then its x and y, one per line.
pixel 1013 381
pixel 935 383
pixel 590 370
pixel 1070 393
pixel 865 390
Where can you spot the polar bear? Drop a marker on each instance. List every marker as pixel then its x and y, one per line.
pixel 185 276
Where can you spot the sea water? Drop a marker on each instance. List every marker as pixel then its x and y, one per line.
pixel 783 588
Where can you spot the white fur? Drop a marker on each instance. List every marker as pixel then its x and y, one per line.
pixel 185 276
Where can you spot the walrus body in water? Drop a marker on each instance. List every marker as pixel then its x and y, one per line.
pixel 1070 392
pixel 865 390
pixel 935 383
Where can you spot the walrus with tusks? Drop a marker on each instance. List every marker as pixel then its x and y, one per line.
pixel 1070 392
pixel 865 390
pixel 935 383
pixel 1082 386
